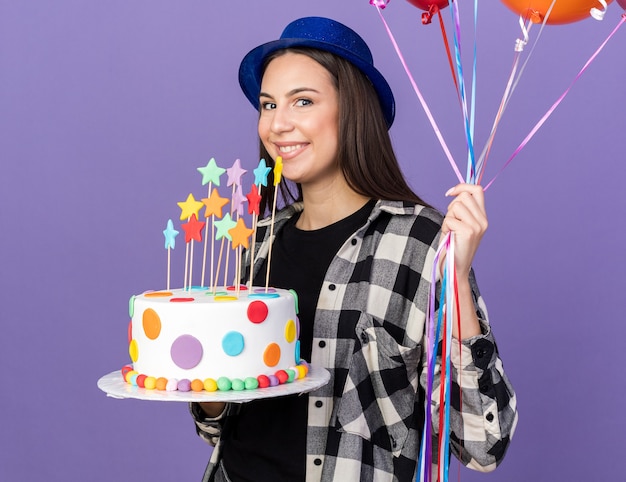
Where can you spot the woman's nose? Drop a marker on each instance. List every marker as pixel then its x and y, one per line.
pixel 281 120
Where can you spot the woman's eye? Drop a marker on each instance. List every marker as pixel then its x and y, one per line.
pixel 303 102
pixel 268 105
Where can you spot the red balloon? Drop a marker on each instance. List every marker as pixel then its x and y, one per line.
pixel 622 3
pixel 563 12
pixel 428 4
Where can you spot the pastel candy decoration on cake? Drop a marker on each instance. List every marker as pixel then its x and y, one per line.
pixel 200 341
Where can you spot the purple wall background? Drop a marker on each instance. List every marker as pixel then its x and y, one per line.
pixel 108 107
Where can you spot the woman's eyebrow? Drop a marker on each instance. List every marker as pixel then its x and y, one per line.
pixel 291 92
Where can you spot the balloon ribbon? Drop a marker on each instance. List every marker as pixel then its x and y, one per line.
pixel 556 103
pixel 436 330
pixel 429 115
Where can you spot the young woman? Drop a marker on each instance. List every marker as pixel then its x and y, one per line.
pixel 358 247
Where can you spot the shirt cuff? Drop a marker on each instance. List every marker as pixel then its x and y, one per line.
pixel 475 351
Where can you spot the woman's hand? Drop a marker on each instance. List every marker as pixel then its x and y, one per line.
pixel 212 409
pixel 467 218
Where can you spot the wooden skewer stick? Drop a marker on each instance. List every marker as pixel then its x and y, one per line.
pixel 219 262
pixel 169 264
pixel 206 234
pixel 278 169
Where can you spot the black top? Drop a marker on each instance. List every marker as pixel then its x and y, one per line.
pixel 266 441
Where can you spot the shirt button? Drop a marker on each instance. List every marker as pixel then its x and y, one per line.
pixel 484 388
pixel 317 461
pixel 331 287
pixel 480 353
pixel 489 417
pixel 354 241
pixel 319 404
pixel 322 344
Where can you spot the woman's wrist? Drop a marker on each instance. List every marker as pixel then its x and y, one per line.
pixel 211 409
pixel 470 325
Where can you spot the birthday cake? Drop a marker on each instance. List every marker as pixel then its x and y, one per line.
pixel 192 339
pixel 209 338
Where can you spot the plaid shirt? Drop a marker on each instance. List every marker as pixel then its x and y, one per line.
pixel 366 423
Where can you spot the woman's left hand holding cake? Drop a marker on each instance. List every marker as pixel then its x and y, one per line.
pixel 212 409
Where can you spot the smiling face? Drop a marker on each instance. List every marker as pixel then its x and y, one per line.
pixel 299 118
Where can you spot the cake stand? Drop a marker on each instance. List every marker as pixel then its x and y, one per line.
pixel 114 386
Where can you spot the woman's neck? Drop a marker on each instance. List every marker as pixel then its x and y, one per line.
pixel 328 204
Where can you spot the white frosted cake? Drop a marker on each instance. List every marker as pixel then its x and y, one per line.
pixel 192 339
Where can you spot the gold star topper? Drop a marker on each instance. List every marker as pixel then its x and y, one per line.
pixel 278 170
pixel 189 207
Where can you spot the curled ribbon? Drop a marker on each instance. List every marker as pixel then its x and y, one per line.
pixel 519 43
pixel 379 3
pixel 427 17
pixel 597 13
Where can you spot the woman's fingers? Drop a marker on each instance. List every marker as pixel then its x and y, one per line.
pixel 467 218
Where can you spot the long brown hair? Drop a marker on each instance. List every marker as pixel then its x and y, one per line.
pixel 365 153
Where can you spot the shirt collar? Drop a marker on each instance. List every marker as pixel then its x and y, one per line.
pixel 398 208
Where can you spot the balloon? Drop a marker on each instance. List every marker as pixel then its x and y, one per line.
pixel 428 4
pixel 564 11
pixel 622 3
